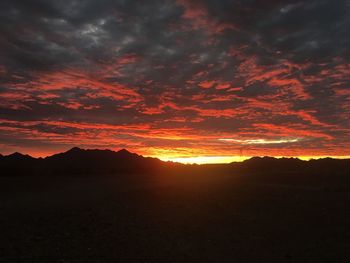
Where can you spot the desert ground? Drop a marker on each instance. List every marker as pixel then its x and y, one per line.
pixel 172 219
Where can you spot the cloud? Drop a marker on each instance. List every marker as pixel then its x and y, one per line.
pixel 261 141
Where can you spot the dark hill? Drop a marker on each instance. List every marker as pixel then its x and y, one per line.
pixel 17 163
pixel 18 157
pixel 293 165
pixel 80 161
pixel 270 164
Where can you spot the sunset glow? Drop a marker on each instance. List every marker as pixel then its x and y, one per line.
pixel 205 159
pixel 230 159
pixel 188 81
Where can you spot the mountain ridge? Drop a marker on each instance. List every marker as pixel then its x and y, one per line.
pixel 127 152
pixel 78 161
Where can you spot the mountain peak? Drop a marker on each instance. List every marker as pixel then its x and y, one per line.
pixel 75 149
pixel 124 151
pixel 17 155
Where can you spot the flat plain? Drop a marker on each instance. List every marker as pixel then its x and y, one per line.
pixel 172 219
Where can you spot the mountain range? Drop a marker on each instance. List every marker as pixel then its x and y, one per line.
pixel 77 161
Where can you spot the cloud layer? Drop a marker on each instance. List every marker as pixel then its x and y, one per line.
pixel 176 78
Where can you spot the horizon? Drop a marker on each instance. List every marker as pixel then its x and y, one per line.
pixel 192 160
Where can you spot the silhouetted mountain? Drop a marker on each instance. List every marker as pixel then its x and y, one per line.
pixel 292 165
pixel 270 164
pixel 17 163
pixel 78 161
pixel 18 157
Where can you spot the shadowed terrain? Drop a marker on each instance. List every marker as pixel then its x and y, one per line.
pixel 104 206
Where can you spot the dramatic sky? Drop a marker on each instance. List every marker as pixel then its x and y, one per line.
pixel 176 78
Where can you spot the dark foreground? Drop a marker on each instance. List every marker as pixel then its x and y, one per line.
pixel 177 219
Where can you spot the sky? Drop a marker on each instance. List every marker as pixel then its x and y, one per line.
pixel 208 80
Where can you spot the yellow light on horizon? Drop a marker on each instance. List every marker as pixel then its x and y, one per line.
pixel 229 159
pixel 204 159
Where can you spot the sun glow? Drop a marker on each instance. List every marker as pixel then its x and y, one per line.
pixel 205 159
pixel 201 156
pixel 229 159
